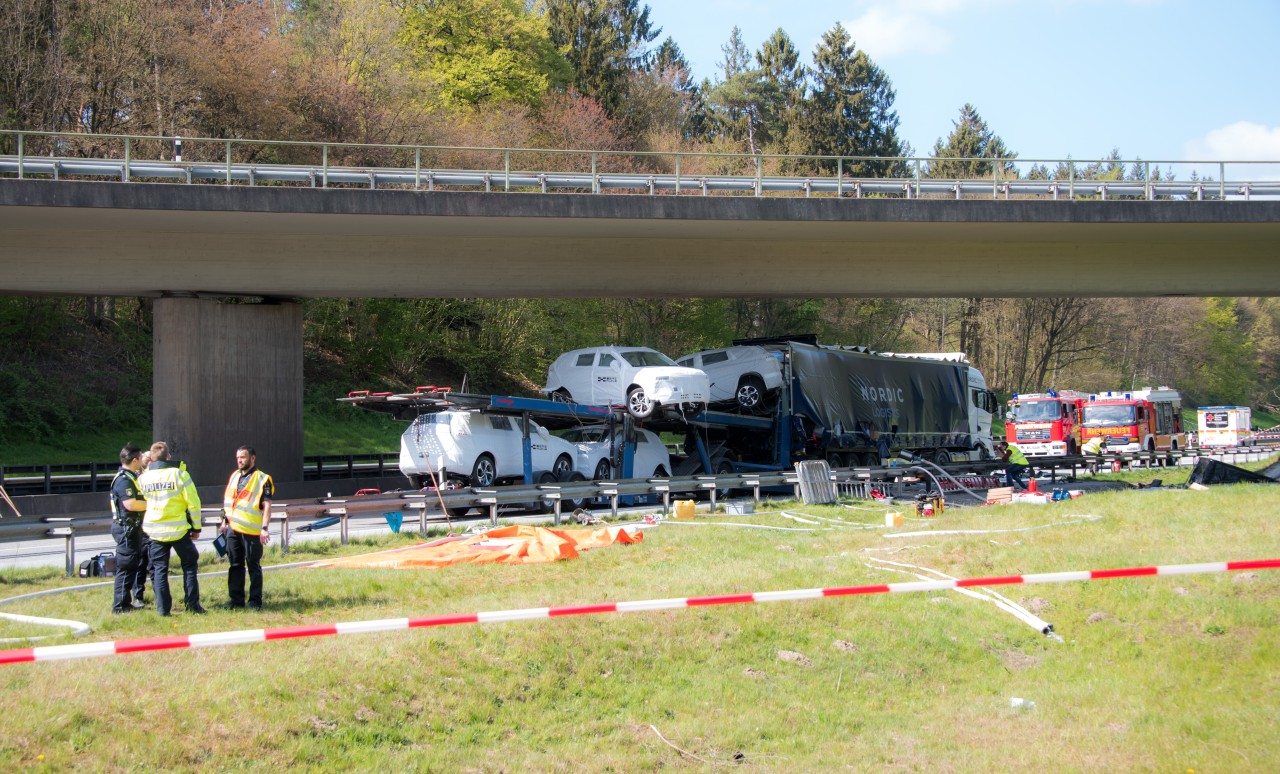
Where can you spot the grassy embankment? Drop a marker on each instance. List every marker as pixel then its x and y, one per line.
pixel 1158 673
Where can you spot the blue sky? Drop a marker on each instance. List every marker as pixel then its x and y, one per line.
pixel 1164 80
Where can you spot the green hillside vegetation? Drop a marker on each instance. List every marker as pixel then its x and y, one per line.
pixel 76 385
pixel 1154 673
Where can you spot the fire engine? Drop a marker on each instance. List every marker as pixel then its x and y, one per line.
pixel 1138 420
pixel 1045 424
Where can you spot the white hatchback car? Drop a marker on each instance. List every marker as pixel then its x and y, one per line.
pixel 745 375
pixel 642 379
pixel 595 453
pixel 480 449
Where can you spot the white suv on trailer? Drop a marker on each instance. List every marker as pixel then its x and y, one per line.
pixel 640 378
pixel 745 375
pixel 480 449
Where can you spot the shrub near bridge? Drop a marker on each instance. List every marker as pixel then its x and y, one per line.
pixel 1157 673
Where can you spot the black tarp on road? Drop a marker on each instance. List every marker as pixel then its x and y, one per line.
pixel 1208 472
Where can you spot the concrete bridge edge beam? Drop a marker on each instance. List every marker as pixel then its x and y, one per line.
pixel 227 375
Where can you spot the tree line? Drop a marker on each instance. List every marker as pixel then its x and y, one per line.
pixel 552 74
pixel 71 364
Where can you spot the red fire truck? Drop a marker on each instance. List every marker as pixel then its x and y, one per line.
pixel 1138 420
pixel 1045 424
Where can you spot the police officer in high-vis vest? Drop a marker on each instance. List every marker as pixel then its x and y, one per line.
pixel 172 522
pixel 246 514
pixel 127 506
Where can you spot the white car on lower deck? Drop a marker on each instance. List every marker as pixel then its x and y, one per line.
pixel 599 457
pixel 480 449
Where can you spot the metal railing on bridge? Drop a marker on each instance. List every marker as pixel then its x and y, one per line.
pixel 194 160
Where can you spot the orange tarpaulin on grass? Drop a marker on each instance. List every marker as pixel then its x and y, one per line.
pixel 503 545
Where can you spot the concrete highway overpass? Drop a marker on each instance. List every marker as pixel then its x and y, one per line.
pixel 228 374
pixel 151 239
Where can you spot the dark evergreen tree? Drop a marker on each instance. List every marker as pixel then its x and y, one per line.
pixel 850 109
pixel 605 42
pixel 971 138
pixel 780 65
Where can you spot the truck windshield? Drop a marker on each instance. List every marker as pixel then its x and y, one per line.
pixel 1036 411
pixel 641 358
pixel 1108 416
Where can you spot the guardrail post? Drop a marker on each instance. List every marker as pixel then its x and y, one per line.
pixel 595 182
pixel 69 532
pixel 228 162
pixel 284 532
pixel 48 479
pixel 839 177
pixel 677 174
pixel 341 513
pixel 917 178
pixel 759 174
pixel 324 165
pixel 417 168
pixel 1222 181
pixel 556 510
pixel 506 170
pixel 1071 181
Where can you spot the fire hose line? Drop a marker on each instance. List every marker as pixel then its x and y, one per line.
pixel 212 639
pixel 932 532
pixel 987 595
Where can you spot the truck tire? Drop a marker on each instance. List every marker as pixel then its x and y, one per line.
pixel 942 457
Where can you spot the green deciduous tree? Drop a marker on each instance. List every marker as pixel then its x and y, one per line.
pixel 483 50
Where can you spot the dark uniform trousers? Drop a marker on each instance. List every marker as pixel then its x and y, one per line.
pixel 129 559
pixel 189 556
pixel 244 550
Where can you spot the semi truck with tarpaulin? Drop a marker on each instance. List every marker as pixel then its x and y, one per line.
pixel 853 406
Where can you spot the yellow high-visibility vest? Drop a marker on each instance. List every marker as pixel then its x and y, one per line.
pixel 173 505
pixel 244 506
pixel 1016 456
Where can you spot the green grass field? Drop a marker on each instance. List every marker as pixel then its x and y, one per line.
pixel 1170 674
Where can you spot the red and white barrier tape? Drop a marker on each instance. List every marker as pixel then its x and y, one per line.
pixel 211 639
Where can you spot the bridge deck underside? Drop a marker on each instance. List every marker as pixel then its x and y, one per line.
pixel 148 239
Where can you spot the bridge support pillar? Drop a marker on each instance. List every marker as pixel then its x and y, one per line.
pixel 225 376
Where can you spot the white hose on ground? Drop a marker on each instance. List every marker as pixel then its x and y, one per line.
pixel 931 532
pixel 1003 603
pixel 852 524
pixel 78 628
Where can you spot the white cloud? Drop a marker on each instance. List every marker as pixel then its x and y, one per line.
pixel 1242 141
pixel 885 31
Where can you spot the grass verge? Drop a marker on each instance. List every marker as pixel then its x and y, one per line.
pixel 1163 673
